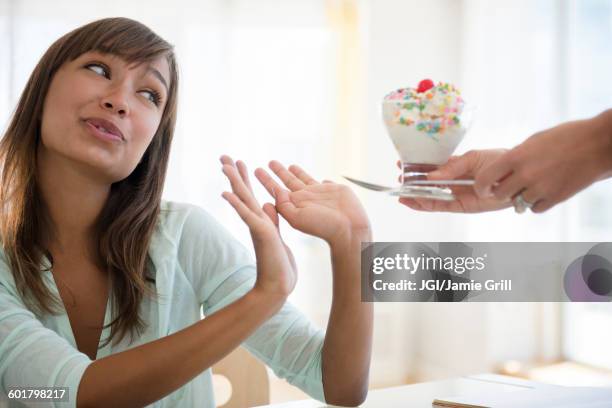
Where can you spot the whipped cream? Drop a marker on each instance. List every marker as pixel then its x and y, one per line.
pixel 425 123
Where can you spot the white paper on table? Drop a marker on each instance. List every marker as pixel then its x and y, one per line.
pixel 559 397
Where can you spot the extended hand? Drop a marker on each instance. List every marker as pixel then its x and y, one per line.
pixel 551 165
pixel 276 270
pixel 326 210
pixel 467 166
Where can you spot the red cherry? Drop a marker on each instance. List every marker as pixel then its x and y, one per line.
pixel 425 85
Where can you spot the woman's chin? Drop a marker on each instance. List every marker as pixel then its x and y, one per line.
pixel 103 167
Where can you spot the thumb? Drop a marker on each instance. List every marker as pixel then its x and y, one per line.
pixel 284 205
pixel 455 167
pixel 271 212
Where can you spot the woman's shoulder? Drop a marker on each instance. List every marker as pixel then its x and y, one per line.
pixel 175 212
pixel 7 280
pixel 5 271
pixel 191 230
pixel 177 219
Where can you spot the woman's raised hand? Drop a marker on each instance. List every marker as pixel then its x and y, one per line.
pixel 326 210
pixel 276 269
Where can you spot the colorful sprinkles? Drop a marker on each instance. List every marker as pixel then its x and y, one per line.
pixel 433 110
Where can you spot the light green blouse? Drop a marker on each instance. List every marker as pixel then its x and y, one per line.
pixel 196 263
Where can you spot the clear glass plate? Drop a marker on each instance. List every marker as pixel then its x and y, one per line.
pixel 431 193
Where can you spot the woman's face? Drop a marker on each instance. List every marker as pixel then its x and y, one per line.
pixel 102 113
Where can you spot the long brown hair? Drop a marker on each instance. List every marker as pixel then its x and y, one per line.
pixel 128 218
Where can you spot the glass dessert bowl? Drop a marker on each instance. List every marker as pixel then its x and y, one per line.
pixel 426 124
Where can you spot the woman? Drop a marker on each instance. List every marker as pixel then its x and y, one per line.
pixel 91 253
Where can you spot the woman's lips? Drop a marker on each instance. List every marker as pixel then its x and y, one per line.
pixel 102 133
pixel 105 125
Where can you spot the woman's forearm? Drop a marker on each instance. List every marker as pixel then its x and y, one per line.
pixel 348 340
pixel 145 374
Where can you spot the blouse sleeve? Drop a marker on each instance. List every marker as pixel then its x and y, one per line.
pixel 32 355
pixel 222 271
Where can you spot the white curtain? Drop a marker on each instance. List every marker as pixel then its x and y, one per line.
pixel 588 327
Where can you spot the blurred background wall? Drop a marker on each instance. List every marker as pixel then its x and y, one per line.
pixel 301 81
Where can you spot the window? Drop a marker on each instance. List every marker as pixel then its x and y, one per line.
pixel 588 327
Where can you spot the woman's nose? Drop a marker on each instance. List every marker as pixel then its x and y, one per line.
pixel 116 102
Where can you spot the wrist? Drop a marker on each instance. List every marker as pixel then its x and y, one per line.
pixel 350 239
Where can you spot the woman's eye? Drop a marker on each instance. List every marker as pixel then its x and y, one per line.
pixel 98 69
pixel 152 96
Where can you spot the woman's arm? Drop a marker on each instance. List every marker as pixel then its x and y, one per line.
pixel 332 212
pixel 552 165
pixel 33 355
pixel 145 374
pixel 348 341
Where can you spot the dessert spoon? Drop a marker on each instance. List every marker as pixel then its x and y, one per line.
pixel 378 187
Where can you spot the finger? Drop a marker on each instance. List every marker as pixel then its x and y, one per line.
pixel 509 187
pixel 399 164
pixel 426 205
pixel 225 159
pixel 301 196
pixel 302 175
pixel 485 179
pixel 409 202
pixel 240 189
pixel 285 206
pixel 535 197
pixel 267 181
pixel 454 168
pixel 271 212
pixel 327 181
pixel 243 211
pixel 453 158
pixel 242 170
pixel 531 195
pixel 293 183
pixel 443 205
pixel 542 205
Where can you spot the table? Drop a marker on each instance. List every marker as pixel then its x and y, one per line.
pixel 421 395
